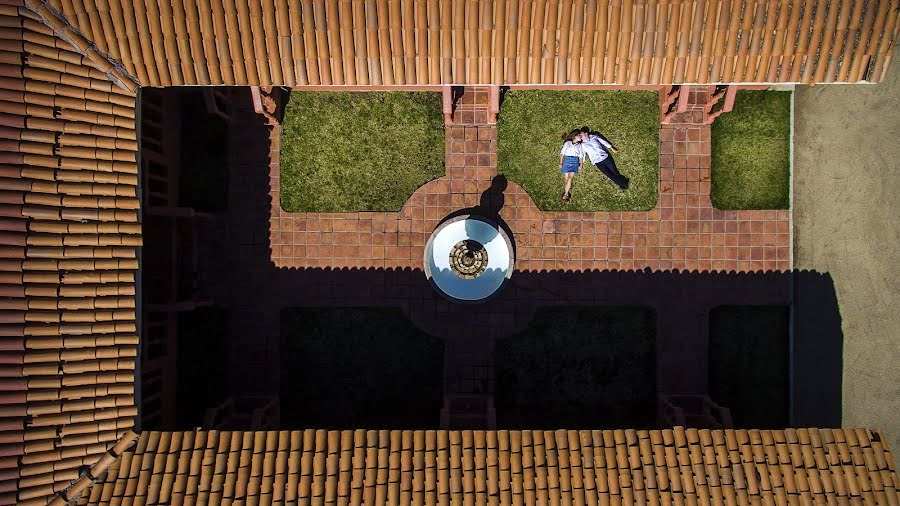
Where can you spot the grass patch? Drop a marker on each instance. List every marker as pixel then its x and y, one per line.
pixel 528 143
pixel 358 367
pixel 748 364
pixel 751 152
pixel 579 367
pixel 359 151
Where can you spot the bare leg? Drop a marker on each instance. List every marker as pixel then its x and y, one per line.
pixel 570 176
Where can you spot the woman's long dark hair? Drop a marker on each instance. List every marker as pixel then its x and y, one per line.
pixel 570 136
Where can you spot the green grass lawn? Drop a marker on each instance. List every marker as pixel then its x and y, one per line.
pixel 358 367
pixel 578 367
pixel 748 364
pixel 751 152
pixel 528 141
pixel 359 151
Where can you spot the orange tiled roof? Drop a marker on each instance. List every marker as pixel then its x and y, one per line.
pixel 389 42
pixel 69 223
pixel 520 467
pixel 69 216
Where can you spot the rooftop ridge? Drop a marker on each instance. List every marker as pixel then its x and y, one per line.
pixel 95 472
pixel 114 70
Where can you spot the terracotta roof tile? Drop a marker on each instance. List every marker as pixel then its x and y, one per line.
pixel 68 217
pixel 276 42
pixel 68 190
pixel 237 467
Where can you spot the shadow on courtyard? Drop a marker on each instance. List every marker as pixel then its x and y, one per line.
pixel 357 367
pixel 554 349
pixel 378 348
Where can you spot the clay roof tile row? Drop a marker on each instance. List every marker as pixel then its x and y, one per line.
pixel 520 467
pixel 69 230
pixel 67 200
pixel 381 42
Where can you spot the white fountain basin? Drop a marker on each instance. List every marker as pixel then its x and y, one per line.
pixel 469 238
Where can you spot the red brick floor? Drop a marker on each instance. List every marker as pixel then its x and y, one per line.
pixel 564 258
pixel 683 232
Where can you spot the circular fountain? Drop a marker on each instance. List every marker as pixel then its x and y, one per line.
pixel 468 258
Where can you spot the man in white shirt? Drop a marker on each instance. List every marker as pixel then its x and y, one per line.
pixel 597 148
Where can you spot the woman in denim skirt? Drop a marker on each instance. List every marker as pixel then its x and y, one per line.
pixel 571 156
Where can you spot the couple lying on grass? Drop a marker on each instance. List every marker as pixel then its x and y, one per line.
pixel 579 143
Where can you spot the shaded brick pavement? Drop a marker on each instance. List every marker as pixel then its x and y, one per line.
pixel 260 259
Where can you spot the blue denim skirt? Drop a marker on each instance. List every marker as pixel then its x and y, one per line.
pixel 570 164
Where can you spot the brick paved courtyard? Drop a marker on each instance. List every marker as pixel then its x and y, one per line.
pixel 682 258
pixel 683 232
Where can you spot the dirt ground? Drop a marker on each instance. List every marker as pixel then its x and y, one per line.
pixel 847 223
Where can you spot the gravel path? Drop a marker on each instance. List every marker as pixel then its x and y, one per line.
pixel 846 210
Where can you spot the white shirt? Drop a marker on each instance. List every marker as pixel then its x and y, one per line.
pixel 595 147
pixel 572 149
